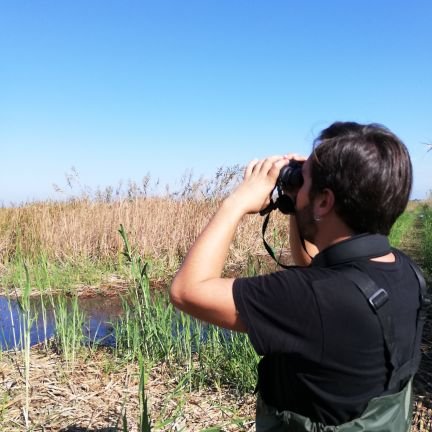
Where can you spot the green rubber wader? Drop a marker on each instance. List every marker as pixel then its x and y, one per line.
pixel 391 413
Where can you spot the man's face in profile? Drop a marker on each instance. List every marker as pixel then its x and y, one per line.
pixel 304 207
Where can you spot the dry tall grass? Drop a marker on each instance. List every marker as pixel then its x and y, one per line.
pixel 162 228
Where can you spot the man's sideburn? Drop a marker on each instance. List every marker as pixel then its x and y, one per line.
pixel 306 223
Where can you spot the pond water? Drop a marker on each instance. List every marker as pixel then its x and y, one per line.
pixel 100 313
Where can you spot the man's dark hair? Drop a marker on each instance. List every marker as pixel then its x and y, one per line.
pixel 369 170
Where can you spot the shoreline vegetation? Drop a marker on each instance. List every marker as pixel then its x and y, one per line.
pixel 167 371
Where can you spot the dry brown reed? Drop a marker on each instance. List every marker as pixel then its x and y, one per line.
pixel 162 229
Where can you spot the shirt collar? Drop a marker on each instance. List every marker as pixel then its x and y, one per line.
pixel 356 247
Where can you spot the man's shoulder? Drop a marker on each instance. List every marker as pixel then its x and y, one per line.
pixel 313 273
pixel 307 274
pixel 293 279
pixel 403 257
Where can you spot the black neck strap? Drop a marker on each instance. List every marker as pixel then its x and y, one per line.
pixel 269 249
pixel 359 246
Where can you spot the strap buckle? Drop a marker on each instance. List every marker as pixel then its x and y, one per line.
pixel 378 298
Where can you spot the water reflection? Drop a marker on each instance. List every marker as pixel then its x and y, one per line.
pixel 100 313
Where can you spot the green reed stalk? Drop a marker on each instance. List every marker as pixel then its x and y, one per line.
pixel 144 420
pixel 44 321
pixel 12 320
pixel 27 321
pixel 69 321
pixel 144 416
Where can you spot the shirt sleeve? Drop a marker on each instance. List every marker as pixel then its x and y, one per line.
pixel 281 313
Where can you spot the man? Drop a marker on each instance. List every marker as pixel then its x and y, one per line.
pixel 339 333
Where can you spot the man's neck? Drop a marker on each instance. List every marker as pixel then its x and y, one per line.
pixel 331 232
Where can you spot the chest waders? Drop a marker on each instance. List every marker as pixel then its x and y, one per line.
pixel 390 412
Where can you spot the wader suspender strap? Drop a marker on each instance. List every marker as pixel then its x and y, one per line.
pixel 378 300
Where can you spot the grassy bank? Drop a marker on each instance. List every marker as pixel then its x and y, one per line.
pixel 426 241
pixel 403 226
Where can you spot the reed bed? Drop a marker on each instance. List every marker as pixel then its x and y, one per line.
pixel 81 232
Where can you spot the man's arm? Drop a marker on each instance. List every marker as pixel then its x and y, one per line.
pixel 198 288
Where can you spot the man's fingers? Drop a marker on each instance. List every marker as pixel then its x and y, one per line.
pixel 249 169
pixel 265 165
pixel 296 157
pixel 270 165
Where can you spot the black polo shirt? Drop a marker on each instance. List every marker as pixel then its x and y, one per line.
pixel 322 346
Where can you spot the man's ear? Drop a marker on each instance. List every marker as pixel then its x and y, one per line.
pixel 324 203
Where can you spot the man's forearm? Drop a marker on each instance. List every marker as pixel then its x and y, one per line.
pixel 205 260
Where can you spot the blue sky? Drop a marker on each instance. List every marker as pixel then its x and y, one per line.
pixel 119 89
